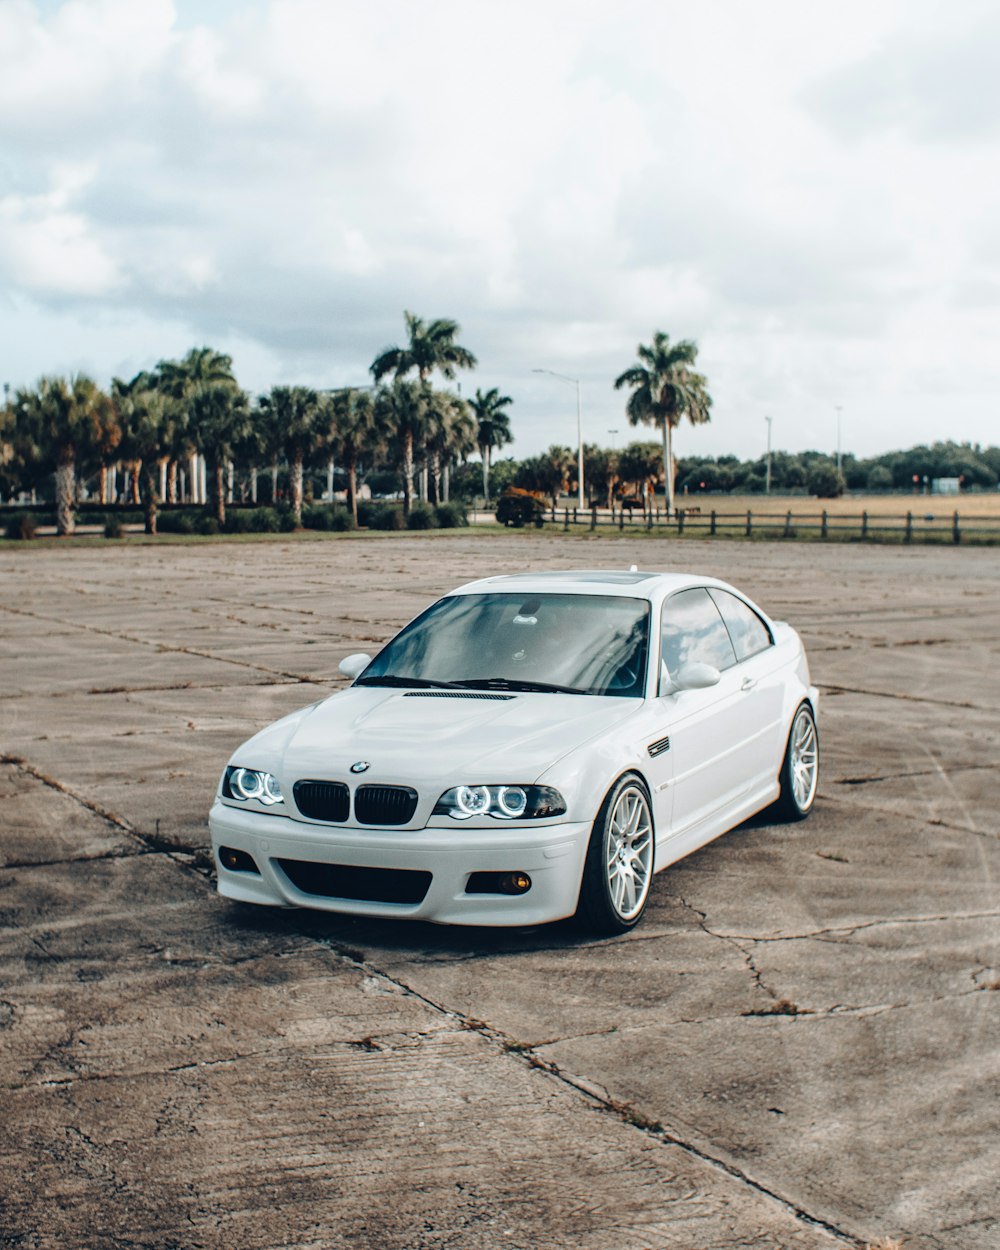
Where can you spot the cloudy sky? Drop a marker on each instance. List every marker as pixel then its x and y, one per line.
pixel 810 191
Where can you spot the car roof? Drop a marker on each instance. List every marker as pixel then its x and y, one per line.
pixel 629 583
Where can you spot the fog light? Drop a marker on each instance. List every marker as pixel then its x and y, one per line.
pixel 237 861
pixel 516 883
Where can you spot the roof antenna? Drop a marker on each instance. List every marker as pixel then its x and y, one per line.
pixel 633 568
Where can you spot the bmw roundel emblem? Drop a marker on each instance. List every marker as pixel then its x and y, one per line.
pixel 362 766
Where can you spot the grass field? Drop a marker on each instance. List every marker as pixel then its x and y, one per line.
pixel 979 505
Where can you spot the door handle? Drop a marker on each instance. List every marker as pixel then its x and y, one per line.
pixel 748 683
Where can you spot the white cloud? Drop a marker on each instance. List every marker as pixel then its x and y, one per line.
pixel 283 178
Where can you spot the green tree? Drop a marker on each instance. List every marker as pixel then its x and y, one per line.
pixel 492 428
pixel 60 423
pixel 640 466
pixel 449 436
pixel 203 368
pixel 400 410
pixel 600 470
pixel 546 473
pixel 146 415
pixel 222 418
pixel 665 388
pixel 431 347
pixel 355 435
pixel 825 481
pixel 295 417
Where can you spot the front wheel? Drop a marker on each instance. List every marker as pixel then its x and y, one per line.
pixel 799 775
pixel 619 865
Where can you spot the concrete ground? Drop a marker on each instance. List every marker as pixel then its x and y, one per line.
pixel 796 1048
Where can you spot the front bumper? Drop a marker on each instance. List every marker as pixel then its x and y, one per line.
pixel 551 854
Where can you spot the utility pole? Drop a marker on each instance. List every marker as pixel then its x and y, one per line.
pixel 767 488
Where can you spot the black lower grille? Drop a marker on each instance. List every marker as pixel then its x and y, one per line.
pixel 322 800
pixel 370 885
pixel 384 805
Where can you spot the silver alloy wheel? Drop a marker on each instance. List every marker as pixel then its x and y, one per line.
pixel 804 759
pixel 629 852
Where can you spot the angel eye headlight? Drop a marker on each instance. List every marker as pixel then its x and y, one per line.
pixel 472 800
pixel 249 783
pixel 510 802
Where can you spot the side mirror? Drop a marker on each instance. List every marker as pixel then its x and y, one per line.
pixel 354 665
pixel 697 677
pixel 690 677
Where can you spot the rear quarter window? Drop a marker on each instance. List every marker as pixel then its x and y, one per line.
pixel 749 633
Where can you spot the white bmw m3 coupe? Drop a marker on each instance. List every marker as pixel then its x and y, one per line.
pixel 531 747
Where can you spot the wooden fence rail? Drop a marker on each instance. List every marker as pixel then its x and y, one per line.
pixel 909 528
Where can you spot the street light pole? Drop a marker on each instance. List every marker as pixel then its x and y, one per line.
pixel 579 428
pixel 767 488
pixel 613 433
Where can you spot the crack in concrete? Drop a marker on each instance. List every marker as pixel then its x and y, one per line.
pixel 623 1111
pixel 935 822
pixel 160 689
pixel 162 647
pixel 190 857
pixel 922 772
pixel 118 853
pixel 906 698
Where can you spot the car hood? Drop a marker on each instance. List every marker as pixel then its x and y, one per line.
pixel 409 736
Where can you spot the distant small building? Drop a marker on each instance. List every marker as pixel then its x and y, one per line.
pixel 945 485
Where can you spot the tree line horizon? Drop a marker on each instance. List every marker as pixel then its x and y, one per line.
pixel 186 432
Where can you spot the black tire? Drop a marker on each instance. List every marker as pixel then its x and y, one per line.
pixel 799 776
pixel 618 870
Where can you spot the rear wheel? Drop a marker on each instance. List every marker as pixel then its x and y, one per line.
pixel 619 864
pixel 799 775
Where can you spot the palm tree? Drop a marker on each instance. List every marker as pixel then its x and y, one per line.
pixel 493 429
pixel 431 347
pixel 640 466
pixel 449 435
pixel 401 410
pixel 355 434
pixel 295 416
pixel 221 417
pixel 65 419
pixel 665 388
pixel 202 368
pixel 546 473
pixel 146 415
pixel 601 471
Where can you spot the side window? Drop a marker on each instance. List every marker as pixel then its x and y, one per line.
pixel 749 633
pixel 693 632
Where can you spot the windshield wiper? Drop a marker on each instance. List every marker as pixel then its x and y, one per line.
pixel 389 679
pixel 514 683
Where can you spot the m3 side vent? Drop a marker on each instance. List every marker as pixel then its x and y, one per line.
pixel 658 747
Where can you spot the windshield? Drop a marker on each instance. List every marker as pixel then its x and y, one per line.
pixel 580 644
